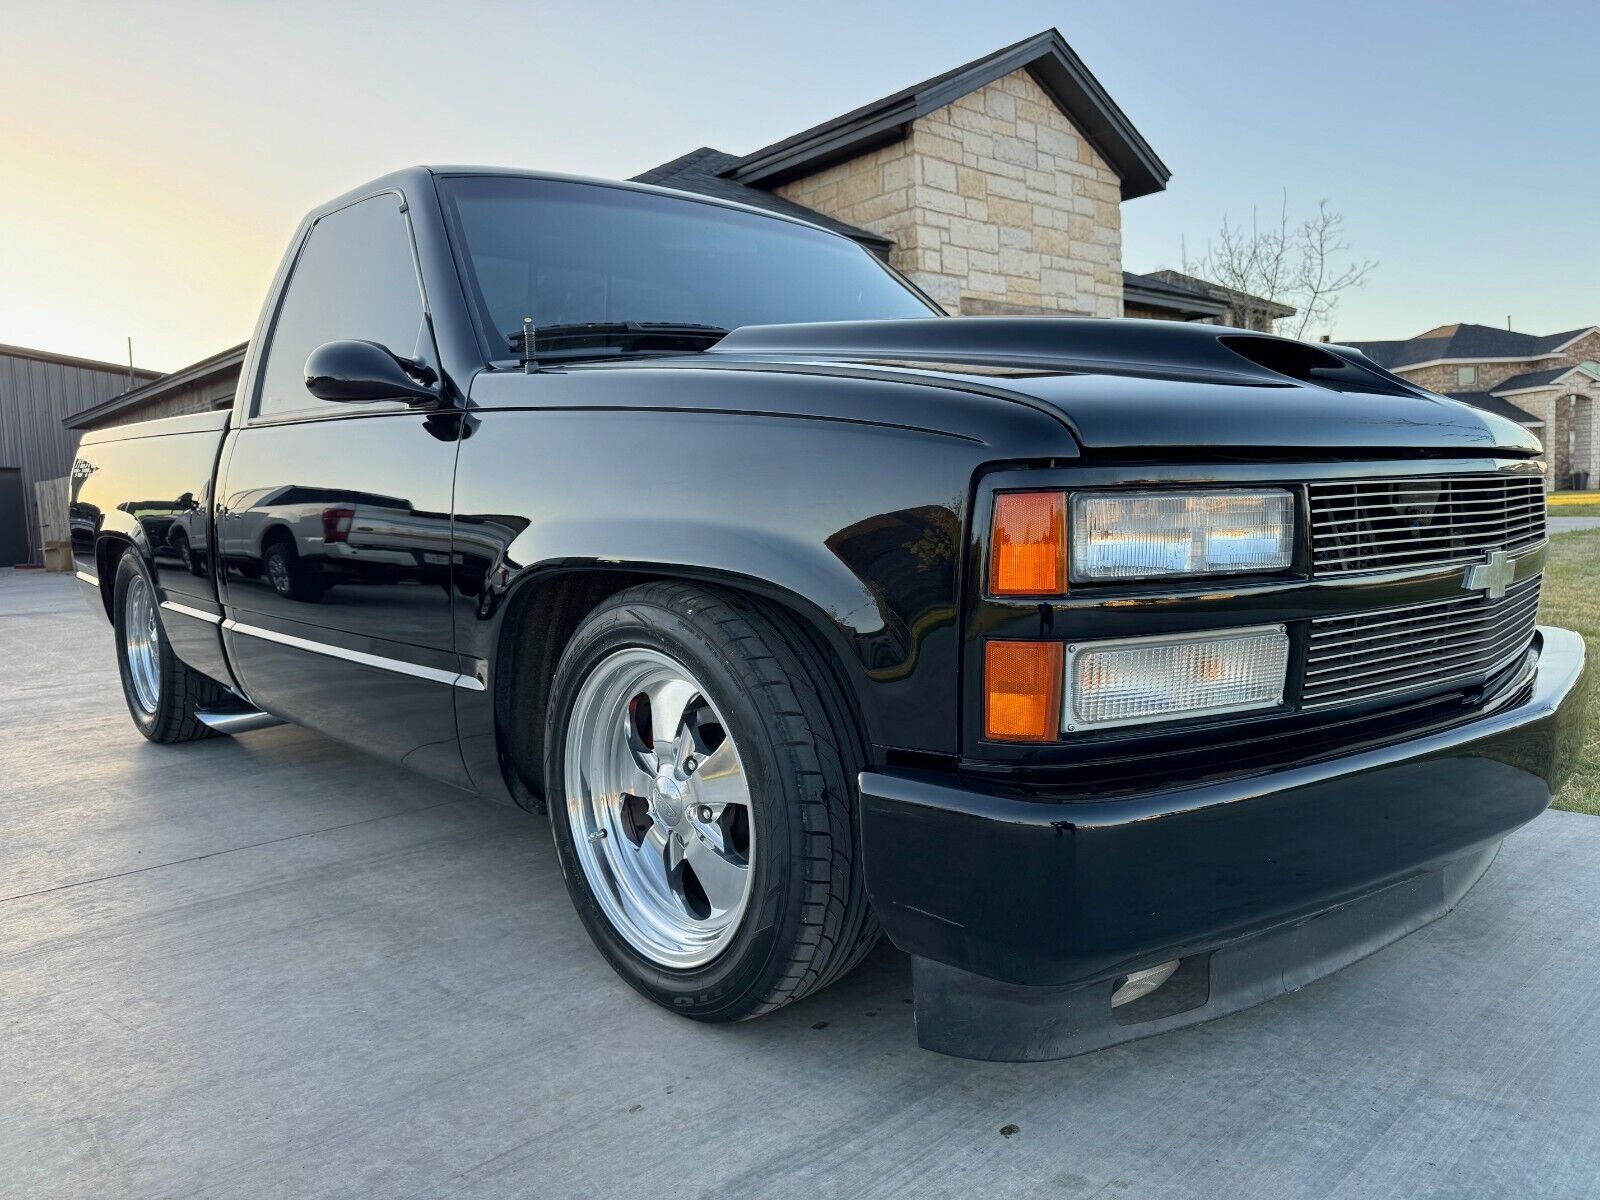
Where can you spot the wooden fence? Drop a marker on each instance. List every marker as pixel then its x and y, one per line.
pixel 51 497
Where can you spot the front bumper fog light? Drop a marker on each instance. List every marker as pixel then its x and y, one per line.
pixel 1133 681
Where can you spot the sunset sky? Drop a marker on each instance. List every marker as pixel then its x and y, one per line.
pixel 154 158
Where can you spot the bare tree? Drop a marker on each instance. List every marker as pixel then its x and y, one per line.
pixel 1304 266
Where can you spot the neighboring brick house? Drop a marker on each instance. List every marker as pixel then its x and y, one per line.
pixel 1550 383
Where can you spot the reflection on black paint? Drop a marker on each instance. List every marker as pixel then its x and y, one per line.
pixel 484 571
pixel 907 560
pixel 302 541
pixel 337 531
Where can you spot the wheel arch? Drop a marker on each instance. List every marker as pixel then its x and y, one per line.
pixel 108 551
pixel 544 608
pixel 276 531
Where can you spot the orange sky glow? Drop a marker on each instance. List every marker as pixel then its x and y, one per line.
pixel 156 156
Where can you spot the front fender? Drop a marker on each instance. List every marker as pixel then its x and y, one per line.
pixel 770 560
pixel 857 528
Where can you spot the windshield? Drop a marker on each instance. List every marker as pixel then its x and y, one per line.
pixel 572 253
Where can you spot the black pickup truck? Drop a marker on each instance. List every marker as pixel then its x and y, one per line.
pixel 1124 673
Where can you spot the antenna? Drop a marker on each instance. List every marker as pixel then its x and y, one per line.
pixel 527 345
pixel 130 360
pixel 1508 322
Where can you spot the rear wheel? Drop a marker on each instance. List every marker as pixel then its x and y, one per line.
pixel 163 693
pixel 700 765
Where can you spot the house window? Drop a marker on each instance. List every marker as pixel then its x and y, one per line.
pixel 1466 376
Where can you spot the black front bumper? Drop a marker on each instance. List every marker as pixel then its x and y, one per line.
pixel 1023 916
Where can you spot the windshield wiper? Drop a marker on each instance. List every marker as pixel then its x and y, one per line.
pixel 592 339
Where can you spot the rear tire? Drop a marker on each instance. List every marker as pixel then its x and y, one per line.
pixel 756 681
pixel 163 693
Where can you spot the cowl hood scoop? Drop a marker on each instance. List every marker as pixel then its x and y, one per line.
pixel 1129 385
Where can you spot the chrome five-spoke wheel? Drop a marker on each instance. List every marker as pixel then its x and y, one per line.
pixel 142 643
pixel 659 808
pixel 699 765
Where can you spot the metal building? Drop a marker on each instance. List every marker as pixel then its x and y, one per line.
pixel 202 386
pixel 38 391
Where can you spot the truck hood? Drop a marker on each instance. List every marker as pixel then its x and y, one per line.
pixel 1128 386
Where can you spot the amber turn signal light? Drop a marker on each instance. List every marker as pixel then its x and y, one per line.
pixel 1028 554
pixel 1022 691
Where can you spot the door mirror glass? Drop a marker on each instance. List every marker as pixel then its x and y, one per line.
pixel 355 372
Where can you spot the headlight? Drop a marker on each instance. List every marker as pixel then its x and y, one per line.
pixel 1134 680
pixel 1158 535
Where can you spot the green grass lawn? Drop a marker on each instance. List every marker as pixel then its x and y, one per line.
pixel 1572 599
pixel 1574 504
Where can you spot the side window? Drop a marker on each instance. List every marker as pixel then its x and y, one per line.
pixel 354 279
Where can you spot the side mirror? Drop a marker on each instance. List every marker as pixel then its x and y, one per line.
pixel 352 372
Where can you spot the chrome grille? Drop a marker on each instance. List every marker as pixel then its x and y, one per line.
pixel 1421 521
pixel 1371 655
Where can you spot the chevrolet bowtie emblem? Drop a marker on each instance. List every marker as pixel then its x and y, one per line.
pixel 1492 576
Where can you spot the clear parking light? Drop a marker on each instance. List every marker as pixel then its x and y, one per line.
pixel 1157 535
pixel 1136 680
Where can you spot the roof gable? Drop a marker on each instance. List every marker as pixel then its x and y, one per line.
pixel 1053 64
pixel 1557 342
pixel 1533 381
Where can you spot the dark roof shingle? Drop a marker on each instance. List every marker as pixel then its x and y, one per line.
pixel 1152 291
pixel 1493 404
pixel 1531 379
pixel 1227 295
pixel 1463 342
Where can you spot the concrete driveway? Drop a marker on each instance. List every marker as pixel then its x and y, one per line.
pixel 272 967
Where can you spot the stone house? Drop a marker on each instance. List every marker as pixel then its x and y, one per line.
pixel 997 187
pixel 1547 382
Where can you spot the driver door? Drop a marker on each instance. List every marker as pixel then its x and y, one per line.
pixel 333 519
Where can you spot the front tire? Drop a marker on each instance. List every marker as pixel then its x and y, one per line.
pixel 163 693
pixel 700 765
